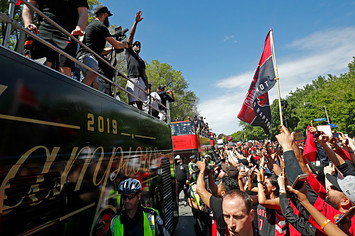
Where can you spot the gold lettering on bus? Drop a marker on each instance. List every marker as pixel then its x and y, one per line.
pixel 103 189
pixel 15 168
pixel 88 156
pixel 98 169
pixel 125 164
pixel 119 161
pixel 68 166
pixel 137 167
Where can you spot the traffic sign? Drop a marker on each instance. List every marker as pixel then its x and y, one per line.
pixel 320 119
pixel 333 126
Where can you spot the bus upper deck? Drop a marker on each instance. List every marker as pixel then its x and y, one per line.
pixel 64 149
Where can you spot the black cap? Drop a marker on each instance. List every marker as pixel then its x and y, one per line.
pixel 333 180
pixel 136 43
pixel 102 9
pixel 244 161
pixel 161 86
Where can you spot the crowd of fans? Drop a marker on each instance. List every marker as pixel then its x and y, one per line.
pixel 252 188
pixel 276 188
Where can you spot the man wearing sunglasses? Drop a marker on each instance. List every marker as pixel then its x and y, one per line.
pixel 135 219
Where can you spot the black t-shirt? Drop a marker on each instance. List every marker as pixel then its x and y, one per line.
pixel 216 208
pixel 134 226
pixel 63 12
pixel 95 37
pixel 135 64
pixel 164 97
pixel 271 222
pixel 181 172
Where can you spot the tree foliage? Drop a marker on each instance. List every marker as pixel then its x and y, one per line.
pixel 336 93
pixel 185 100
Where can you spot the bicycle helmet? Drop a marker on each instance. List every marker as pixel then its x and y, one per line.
pixel 129 186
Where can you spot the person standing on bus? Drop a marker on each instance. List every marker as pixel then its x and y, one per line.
pixel 165 96
pixel 182 177
pixel 69 14
pixel 135 219
pixel 95 38
pixel 136 69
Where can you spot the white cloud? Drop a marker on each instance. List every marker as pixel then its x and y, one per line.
pixel 230 37
pixel 326 52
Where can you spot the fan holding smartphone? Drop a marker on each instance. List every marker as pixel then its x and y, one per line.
pixel 299 181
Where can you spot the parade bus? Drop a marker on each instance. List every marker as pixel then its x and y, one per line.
pixel 64 149
pixel 187 141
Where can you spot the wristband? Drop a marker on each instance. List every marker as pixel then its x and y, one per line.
pixel 324 224
pixel 282 191
pixel 260 182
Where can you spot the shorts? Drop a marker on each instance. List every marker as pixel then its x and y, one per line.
pixel 60 41
pixel 89 60
pixel 142 95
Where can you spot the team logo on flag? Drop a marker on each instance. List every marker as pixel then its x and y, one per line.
pixel 256 108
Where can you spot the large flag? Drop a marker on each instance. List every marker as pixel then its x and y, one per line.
pixel 256 107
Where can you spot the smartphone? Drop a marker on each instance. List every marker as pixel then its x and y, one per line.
pixel 336 135
pixel 298 184
pixel 344 215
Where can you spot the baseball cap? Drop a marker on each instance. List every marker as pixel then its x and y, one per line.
pixel 161 86
pixel 231 171
pixel 346 185
pixel 333 180
pixel 177 157
pixel 102 9
pixel 136 43
pixel 244 161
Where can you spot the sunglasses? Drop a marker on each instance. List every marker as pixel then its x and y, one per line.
pixel 130 197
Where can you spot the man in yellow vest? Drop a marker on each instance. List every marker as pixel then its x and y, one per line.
pixel 135 219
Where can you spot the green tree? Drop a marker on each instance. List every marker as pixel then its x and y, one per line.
pixel 336 93
pixel 186 100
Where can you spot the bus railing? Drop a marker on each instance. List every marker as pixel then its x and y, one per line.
pixel 10 21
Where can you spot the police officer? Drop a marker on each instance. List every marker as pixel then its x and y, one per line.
pixel 182 177
pixel 135 219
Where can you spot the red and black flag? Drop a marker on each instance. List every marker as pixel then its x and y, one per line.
pixel 256 108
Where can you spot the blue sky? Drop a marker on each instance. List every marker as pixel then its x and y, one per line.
pixel 217 45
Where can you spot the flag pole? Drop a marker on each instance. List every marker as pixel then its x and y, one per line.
pixel 277 75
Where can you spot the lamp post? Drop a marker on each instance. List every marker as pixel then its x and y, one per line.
pixel 321 107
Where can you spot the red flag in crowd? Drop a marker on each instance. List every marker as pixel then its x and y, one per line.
pixel 310 148
pixel 256 107
pixel 18 2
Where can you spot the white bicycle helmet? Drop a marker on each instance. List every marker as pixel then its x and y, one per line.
pixel 129 186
